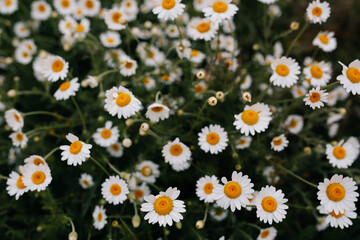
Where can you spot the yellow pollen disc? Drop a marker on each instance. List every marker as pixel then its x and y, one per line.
pixel 282 70
pixel 57 66
pixel 339 152
pixel 64 86
pixel 232 190
pixel 208 188
pixel 19 183
pixel 336 215
pixel 229 63
pixel 146 171
pixel 212 138
pixel 89 4
pixel 176 150
pixel 116 17
pixel 165 77
pixel 99 217
pixel 300 92
pixel 110 40
pixel 68 25
pixel 19 137
pixel 17 118
pixel 150 54
pixel 157 109
pixel 115 147
pixel 220 7
pixel 353 75
pixel 79 28
pixel 114 55
pixel 8 3
pixel 41 8
pixel 65 3
pixel 316 71
pixel 324 39
pixel 250 117
pixel 106 133
pixel 203 27
pixel 38 177
pixel 85 182
pixel 168 4
pixel 335 192
pixel 194 52
pixel 75 147
pixel 25 54
pixel 269 204
pixel 115 189
pixel 128 65
pixel 128 4
pixel 199 88
pixel 314 97
pixel 38 161
pixel 277 141
pixel 265 233
pixel 139 193
pixel 293 123
pixel 29 47
pixel 242 142
pixel 146 81
pixel 163 205
pixel 317 11
pixel 123 99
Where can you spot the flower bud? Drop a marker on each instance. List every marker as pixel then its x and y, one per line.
pixel 220 96
pixel 136 221
pixel 145 127
pixel 142 132
pixel 114 223
pixel 180 112
pixel 131 196
pixel 127 142
pixel 122 21
pixel 201 74
pixel 334 143
pixel 36 139
pixel 15 42
pixel 178 225
pixel 54 14
pixel 16 78
pixel 155 31
pixel 39 228
pixel 125 175
pixel 342 111
pixel 246 96
pixel 212 101
pixel 199 224
pixel 12 93
pixel 73 236
pixel 238 167
pixel 294 26
pixel 100 118
pixel 148 24
pixel 43 54
pixel 307 150
pixel 129 122
pixel 256 47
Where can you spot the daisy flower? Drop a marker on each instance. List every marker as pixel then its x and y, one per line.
pixel 199 89
pixel 316 98
pixel 350 77
pixel 40 10
pixel 319 74
pixel 213 138
pixel 218 11
pixel 23 55
pixel 342 155
pixel 298 91
pixel 99 217
pixel 110 39
pixel 326 41
pixel 67 89
pixel 55 68
pixel 157 111
pixel 77 152
pixel 148 171
pixel 246 83
pixel 86 181
pixel 199 5
pixel 81 28
pixel 36 177
pixel 121 102
pixel 114 190
pixel 107 135
pixel 267 234
pixel 138 192
pixel 35 159
pixel 127 66
pixel 205 188
pixel 115 150
pixel 90 7
pixel 218 213
pixel 163 208
pixel 318 12
pixel 18 139
pixel 22 29
pixel 270 174
pixel 169 9
pixel 65 7
pixel 294 123
pixel 14 119
pixel 202 29
pixel 196 56
pixel 254 118
pixel 115 19
pixel 341 220
pixel 172 31
pixel 8 6
pixel 130 8
pixel 176 152
pixel 15 185
pixel 270 205
pixel 337 194
pixel 67 25
pixel 235 193
pixel 279 143
pixel 285 71
pixel 243 142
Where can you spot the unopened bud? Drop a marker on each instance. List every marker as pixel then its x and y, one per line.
pixel 122 21
pixel 67 47
pixel 100 118
pixel 148 24
pixel 131 196
pixel 129 122
pixel 178 225
pixel 39 228
pixel 114 223
pixel 155 31
pixel 73 236
pixel 43 54
pixel 201 74
pixel 180 112
pixel 145 127
pixel 36 139
pixel 334 143
pixel 136 221
pixel 307 150
pixel 166 232
pixel 127 142
pixel 212 101
pixel 12 93
pixel 125 175
pixel 294 26
pixel 246 96
pixel 342 111
pixel 243 71
pixel 199 224
pixel 142 132
pixel 256 47
pixel 220 96
pixel 8 60
pixel 238 167
pixel 16 78
pixel 54 14
pixel 15 42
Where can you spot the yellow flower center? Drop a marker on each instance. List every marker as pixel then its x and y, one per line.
pixel 106 133
pixel 265 233
pixel 339 215
pixel 128 65
pixel 116 17
pixel 242 142
pixel 293 123
pixel 157 109
pixel 176 150
pixel 317 11
pixel 220 7
pixel 41 8
pixel 110 40
pixel 68 25
pixel 146 171
pixel 208 188
pixel 232 190
pixel 123 99
pixel 57 66
pixel 194 52
pixel 277 141
pixel 79 28
pixel 212 138
pixel 17 118
pixel 8 3
pixel 250 117
pixel 165 77
pixel 353 75
pixel 128 4
pixel 199 88
pixel 324 39
pixel 269 204
pixel 203 27
pixel 316 71
pixel 282 70
pixel 335 192
pixel 115 147
pixel 75 147
pixel 168 4
pixel 38 161
pixel 19 183
pixel 89 4
pixel 38 177
pixel 99 217
pixel 163 205
pixel 85 182
pixel 139 193
pixel 314 97
pixel 65 3
pixel 19 137
pixel 64 86
pixel 25 54
pixel 146 81
pixel 115 189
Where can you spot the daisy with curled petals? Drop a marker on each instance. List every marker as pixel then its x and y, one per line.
pixel 202 29
pixel 342 155
pixel 213 139
pixel 107 135
pixel 8 6
pixel 350 77
pixel 15 185
pixel 218 213
pixel 218 11
pixel 319 73
pixel 205 188
pixel 65 7
pixel 110 39
pixel 267 234
pixel 279 143
pixel 40 10
pixel 285 71
pixel 67 89
pixel 337 194
pixel 86 181
pixel 338 220
pixel 254 118
pixel 169 9
pixel 235 193
pixel 36 177
pixel 35 159
pixel 294 123
pixel 316 98
pixel 55 68
pixel 270 205
pixel 115 19
pixel 19 139
pixel 318 12
pixel 176 152
pixel 157 111
pixel 148 171
pixel 243 142
pixel 138 192
pixel 326 41
pixel 90 7
pixel 115 150
pixel 354 142
pixel 14 119
pixel 114 190
pixel 121 102
pixel 99 217
pixel 77 152
pixel 128 66
pixel 163 208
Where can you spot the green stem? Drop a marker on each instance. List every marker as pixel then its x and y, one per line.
pixel 3 177
pixel 253 225
pixel 206 212
pixel 80 114
pixel 297 176
pixel 99 77
pixel 101 166
pixel 43 113
pixel 296 38
pixel 331 85
pixel 51 152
